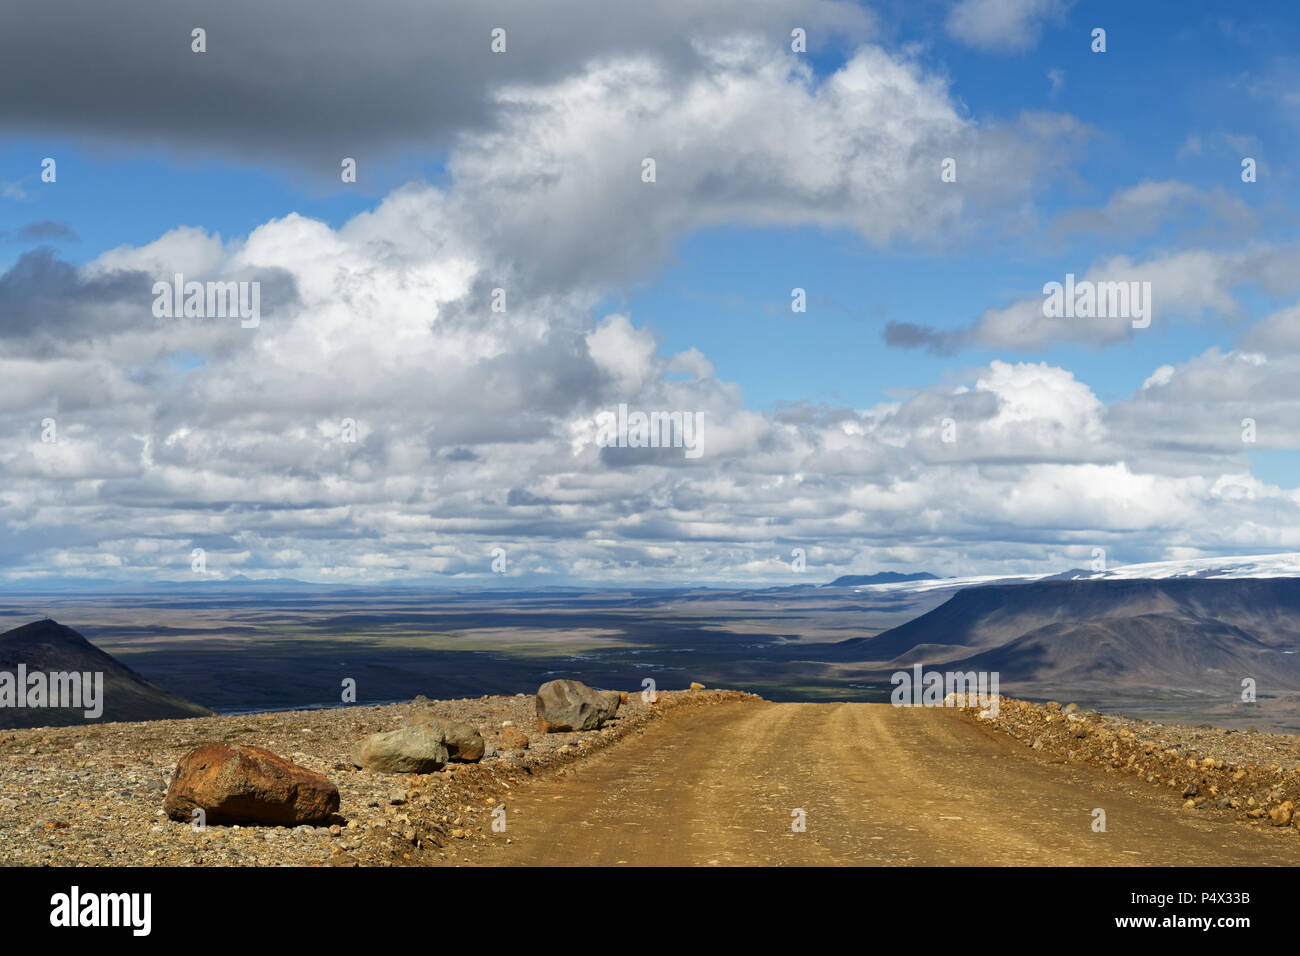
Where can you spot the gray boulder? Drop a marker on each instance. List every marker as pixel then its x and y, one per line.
pixel 612 700
pixel 568 705
pixel 418 749
pixel 464 742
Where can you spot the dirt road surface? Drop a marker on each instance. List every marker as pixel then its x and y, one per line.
pixel 879 785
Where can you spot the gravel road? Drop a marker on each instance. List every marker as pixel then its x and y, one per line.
pixel 877 784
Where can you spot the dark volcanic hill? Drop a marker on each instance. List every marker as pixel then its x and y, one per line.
pixel 48 647
pixel 1177 633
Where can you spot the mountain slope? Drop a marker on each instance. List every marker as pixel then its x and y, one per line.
pixel 46 646
pixel 1181 632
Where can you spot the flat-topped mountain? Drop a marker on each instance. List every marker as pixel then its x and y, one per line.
pixel 1178 633
pixel 31 654
pixel 880 577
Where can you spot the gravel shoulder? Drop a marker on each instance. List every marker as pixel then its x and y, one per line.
pixel 92 795
pixel 1211 772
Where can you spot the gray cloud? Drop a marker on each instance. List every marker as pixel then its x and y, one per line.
pixel 311 82
pixel 1003 26
pixel 46 230
pixel 910 335
pixel 44 298
pixel 48 306
pixel 1145 208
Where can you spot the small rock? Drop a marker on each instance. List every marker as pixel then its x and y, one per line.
pixel 512 738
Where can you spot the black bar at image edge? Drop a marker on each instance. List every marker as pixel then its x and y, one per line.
pixel 331 904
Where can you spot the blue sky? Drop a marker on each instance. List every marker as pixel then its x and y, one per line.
pixel 1159 84
pixel 1074 147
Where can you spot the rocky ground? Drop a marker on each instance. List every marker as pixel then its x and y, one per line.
pixel 1250 776
pixel 93 795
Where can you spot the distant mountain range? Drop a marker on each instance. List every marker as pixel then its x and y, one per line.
pixel 1186 632
pixel 1285 565
pixel 1256 566
pixel 48 647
